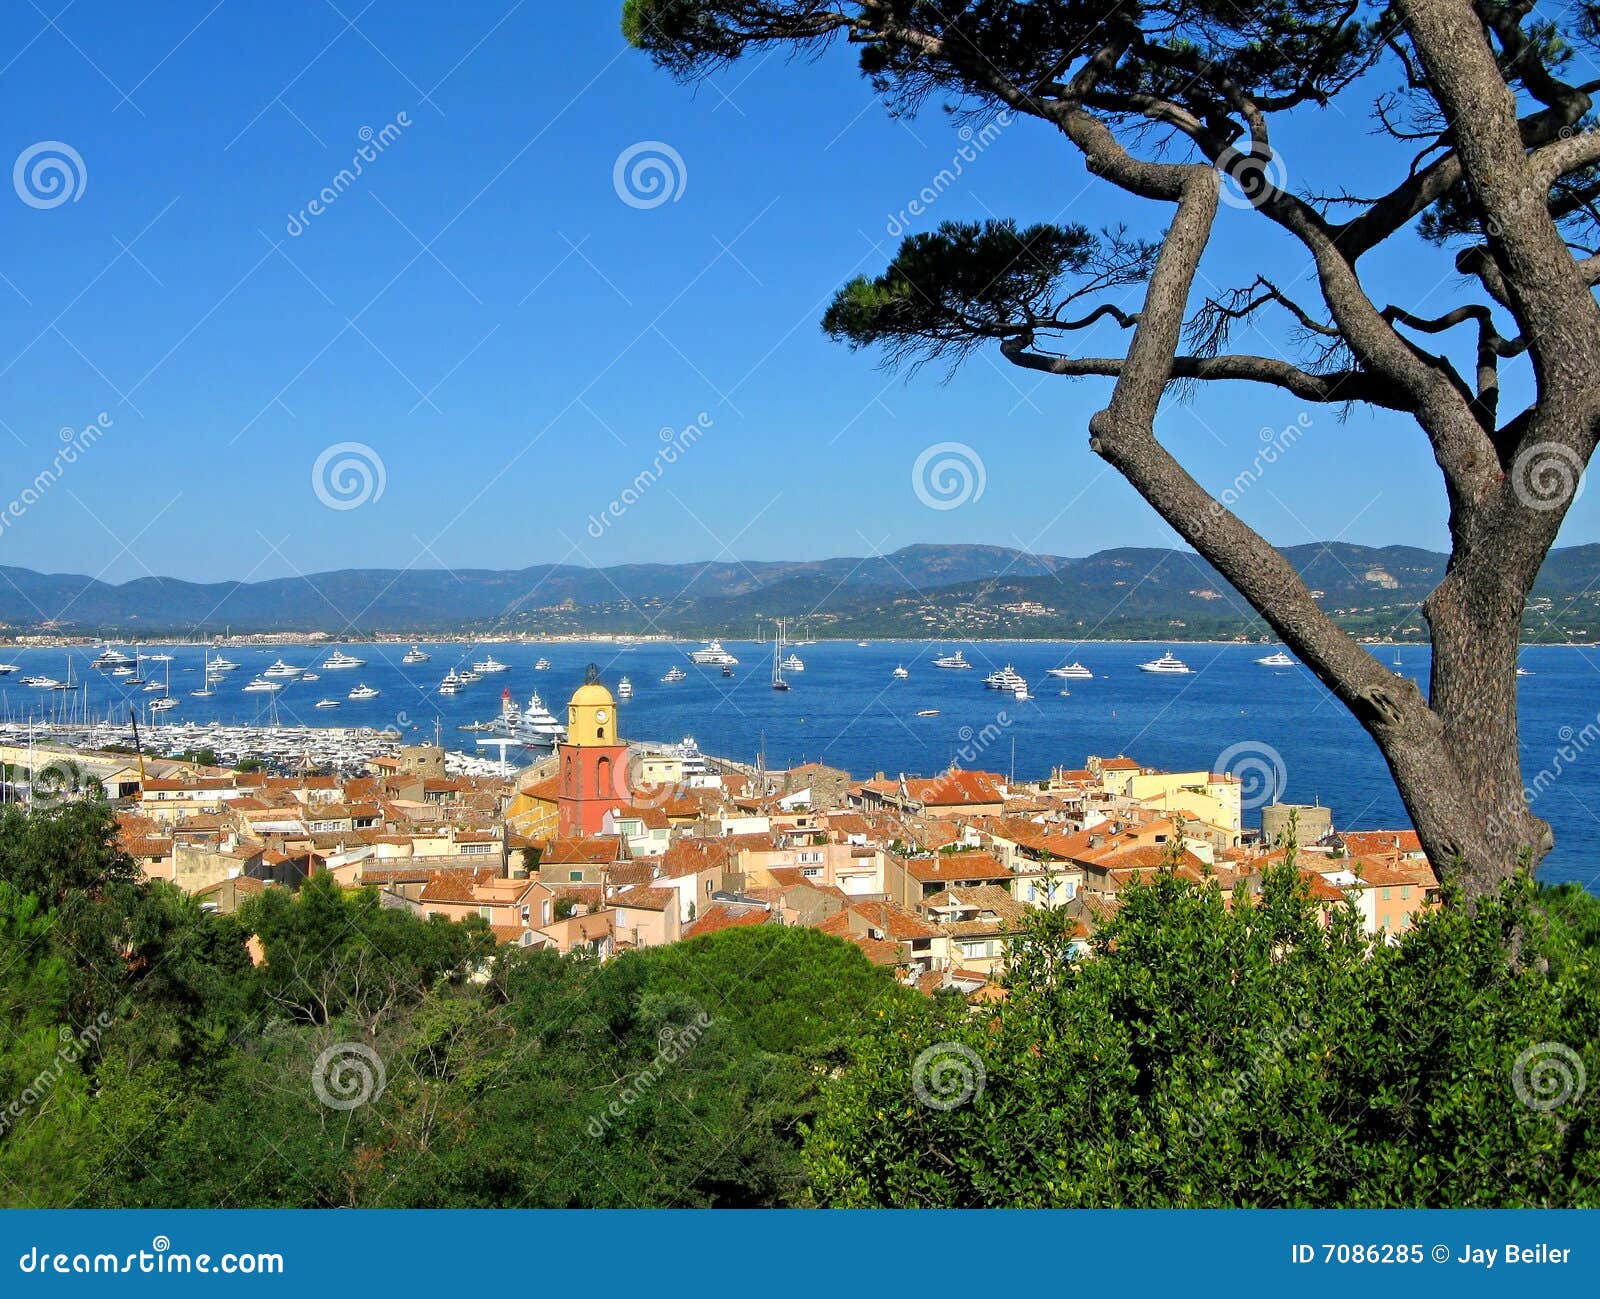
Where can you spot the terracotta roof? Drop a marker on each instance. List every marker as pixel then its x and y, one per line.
pixel 600 850
pixel 956 788
pixel 955 866
pixel 646 899
pixel 719 917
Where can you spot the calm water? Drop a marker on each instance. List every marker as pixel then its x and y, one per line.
pixel 847 710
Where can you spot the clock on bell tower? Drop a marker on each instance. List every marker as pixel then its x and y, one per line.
pixel 594 762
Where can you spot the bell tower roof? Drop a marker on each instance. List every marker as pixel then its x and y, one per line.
pixel 592 714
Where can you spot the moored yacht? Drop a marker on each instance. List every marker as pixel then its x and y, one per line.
pixel 451 683
pixel 543 665
pixel 534 726
pixel 223 665
pixel 674 674
pixel 6 669
pixel 327 703
pixel 1167 665
pixel 624 689
pixel 488 666
pixel 794 663
pixel 713 654
pixel 363 691
pixel 414 655
pixel 1074 671
pixel 1278 660
pixel 165 704
pixel 1006 678
pixel 111 658
pixel 468 677
pixel 954 661
pixel 339 659
pixel 900 673
pixel 261 686
pixel 282 669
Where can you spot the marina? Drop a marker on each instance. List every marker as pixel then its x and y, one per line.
pixel 847 709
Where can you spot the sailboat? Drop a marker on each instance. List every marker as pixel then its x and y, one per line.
pixel 166 702
pixel 208 689
pixel 778 683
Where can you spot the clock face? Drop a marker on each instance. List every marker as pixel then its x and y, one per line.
pixel 600 715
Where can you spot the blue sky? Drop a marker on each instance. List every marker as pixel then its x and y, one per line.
pixel 509 336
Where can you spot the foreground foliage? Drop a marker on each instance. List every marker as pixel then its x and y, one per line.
pixel 1245 1057
pixel 1206 1056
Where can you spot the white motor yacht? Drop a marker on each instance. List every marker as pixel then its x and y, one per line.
pixel 1167 665
pixel 794 663
pixel 673 674
pixel 954 662
pixel 489 666
pixel 339 660
pixel 713 655
pixel 624 689
pixel 327 703
pixel 1278 660
pixel 282 669
pixel 1006 678
pixel 261 686
pixel 900 673
pixel 363 691
pixel 543 665
pixel 1074 671
pixel 414 655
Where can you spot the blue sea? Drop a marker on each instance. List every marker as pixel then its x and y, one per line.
pixel 1280 730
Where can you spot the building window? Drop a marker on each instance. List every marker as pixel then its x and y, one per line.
pixel 1386 895
pixel 1405 892
pixel 575 876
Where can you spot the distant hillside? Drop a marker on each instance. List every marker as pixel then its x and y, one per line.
pixel 921 591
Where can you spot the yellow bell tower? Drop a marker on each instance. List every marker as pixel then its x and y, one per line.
pixel 592 715
pixel 594 762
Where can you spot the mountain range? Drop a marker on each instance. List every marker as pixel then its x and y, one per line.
pixel 922 591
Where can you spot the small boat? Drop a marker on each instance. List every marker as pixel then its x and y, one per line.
pixel 674 674
pixel 927 712
pixel 261 686
pixel 1524 672
pixel 794 663
pixel 340 660
pixel 41 683
pixel 309 676
pixel 489 666
pixel 160 658
pixel 154 687
pixel 1074 671
pixel 165 704
pixel 1278 660
pixel 6 669
pixel 122 671
pixel 363 691
pixel 624 689
pixel 1021 692
pixel 726 670
pixel 412 655
pixel 543 665
pixel 862 644
pixel 449 687
pixel 900 673
pixel 205 691
pixel 327 703
pixel 1167 665
pixel 953 662
pixel 1397 670
pixel 282 669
